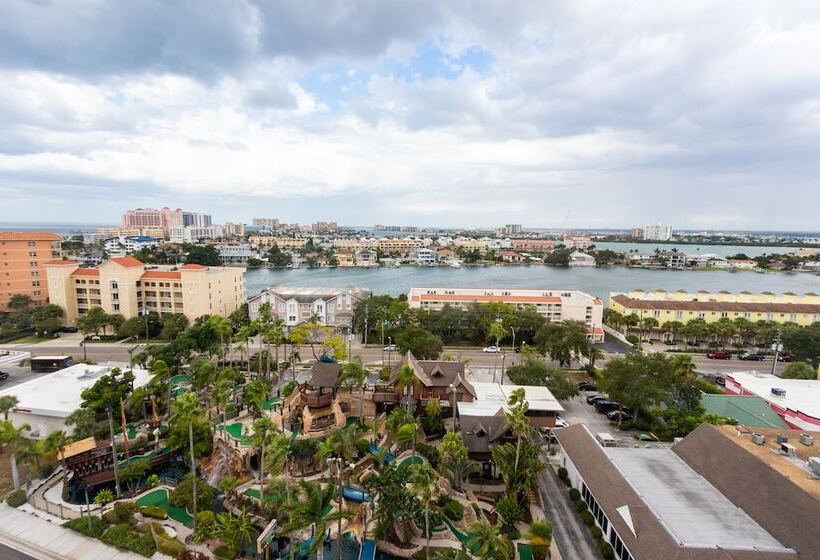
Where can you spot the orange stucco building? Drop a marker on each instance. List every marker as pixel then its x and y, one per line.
pixel 22 259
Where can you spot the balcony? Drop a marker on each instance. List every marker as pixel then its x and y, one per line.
pixel 317 400
pixel 385 397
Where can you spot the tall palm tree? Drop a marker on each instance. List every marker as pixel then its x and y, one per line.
pixel 517 419
pixel 263 431
pixel 57 442
pixel 7 403
pixel 408 433
pixel 354 375
pixel 406 379
pixel 423 483
pixel 312 511
pixel 13 440
pixel 187 411
pixel 280 448
pixel 459 469
pixel 222 325
pixel 486 541
pixel 235 530
pixel 274 334
pixel 540 538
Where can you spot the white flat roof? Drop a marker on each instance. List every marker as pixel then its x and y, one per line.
pixel 492 396
pixel 694 512
pixel 802 395
pixel 58 394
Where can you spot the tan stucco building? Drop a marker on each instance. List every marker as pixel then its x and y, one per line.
pixel 22 259
pixel 128 286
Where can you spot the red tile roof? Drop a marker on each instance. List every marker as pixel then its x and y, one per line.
pixel 59 262
pixel 193 266
pixel 162 274
pixel 86 272
pixel 25 236
pixel 631 303
pixel 127 261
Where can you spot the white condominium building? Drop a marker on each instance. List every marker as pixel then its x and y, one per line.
pixel 554 305
pixel 128 286
pixel 657 233
pixel 192 234
pixel 329 306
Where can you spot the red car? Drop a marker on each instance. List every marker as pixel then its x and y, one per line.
pixel 784 358
pixel 719 355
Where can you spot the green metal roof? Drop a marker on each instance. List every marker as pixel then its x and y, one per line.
pixel 749 410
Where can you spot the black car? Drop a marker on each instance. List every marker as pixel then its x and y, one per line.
pixel 587 386
pixel 4 375
pixel 606 406
pixel 621 415
pixel 751 357
pixel 69 329
pixel 592 398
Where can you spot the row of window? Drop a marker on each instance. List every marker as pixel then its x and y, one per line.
pixel 746 315
pixel 598 513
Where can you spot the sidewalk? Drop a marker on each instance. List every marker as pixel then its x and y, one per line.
pixel 44 540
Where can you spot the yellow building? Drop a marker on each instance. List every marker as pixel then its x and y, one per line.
pixel 683 306
pixel 399 245
pixel 284 243
pixel 128 286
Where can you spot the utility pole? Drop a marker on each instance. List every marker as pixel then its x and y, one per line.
pixel 114 452
pixel 777 346
pixel 366 318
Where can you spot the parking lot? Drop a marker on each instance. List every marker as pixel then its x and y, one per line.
pixel 17 375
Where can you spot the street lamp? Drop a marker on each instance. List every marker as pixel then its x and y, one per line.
pixel 453 391
pixel 389 350
pixel 777 347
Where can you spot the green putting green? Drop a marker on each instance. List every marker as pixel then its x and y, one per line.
pixel 235 431
pixel 254 493
pixel 180 379
pixel 159 498
pixel 417 460
pixel 269 404
pixel 524 551
pixel 145 456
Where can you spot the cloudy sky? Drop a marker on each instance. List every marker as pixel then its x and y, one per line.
pixel 460 113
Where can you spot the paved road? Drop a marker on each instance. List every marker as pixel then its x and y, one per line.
pixel 570 534
pixel 8 553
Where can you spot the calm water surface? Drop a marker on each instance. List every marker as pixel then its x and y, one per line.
pixel 596 281
pixel 719 250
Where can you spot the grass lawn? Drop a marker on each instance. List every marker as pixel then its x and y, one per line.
pixel 159 498
pixel 31 339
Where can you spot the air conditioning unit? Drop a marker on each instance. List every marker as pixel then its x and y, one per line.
pixel 787 449
pixel 758 438
pixel 807 439
pixel 814 465
pixel 782 438
pixel 778 392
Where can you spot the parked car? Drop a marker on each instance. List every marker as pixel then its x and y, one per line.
pixel 719 355
pixel 751 357
pixel 491 349
pixel 592 398
pixel 619 415
pixel 605 406
pixel 69 329
pixel 587 386
pixel 561 423
pixel 784 358
pixel 4 375
pixel 645 437
pixel 390 348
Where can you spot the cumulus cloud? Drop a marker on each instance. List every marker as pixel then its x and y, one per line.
pixel 440 113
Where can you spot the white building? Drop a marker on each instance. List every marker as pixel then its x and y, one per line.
pixel 577 258
pixel 424 257
pixel 657 233
pixel 46 401
pixel 124 245
pixel 236 253
pixel 498 244
pixel 196 219
pixel 330 306
pixel 193 234
pixel 554 305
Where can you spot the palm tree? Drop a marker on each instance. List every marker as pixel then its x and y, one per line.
pixel 235 530
pixel 263 430
pixel 672 328
pixel 354 375
pixel 459 470
pixel 13 440
pixel 540 538
pixel 56 442
pixel 312 511
pixel 406 379
pixel 280 448
pixel 486 541
pixel 408 433
pixel 274 334
pixel 222 325
pixel 423 482
pixel 517 419
pixel 593 354
pixel 243 342
pixel 346 439
pixel 186 410
pixel 7 403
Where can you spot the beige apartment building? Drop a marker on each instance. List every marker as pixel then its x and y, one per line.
pixel 284 243
pixel 22 259
pixel 399 245
pixel 128 286
pixel 683 306
pixel 554 305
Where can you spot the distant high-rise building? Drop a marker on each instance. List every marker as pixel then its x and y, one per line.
pixel 196 219
pixel 512 229
pixel 270 223
pixel 164 218
pixel 636 233
pixel 657 233
pixel 324 227
pixel 232 229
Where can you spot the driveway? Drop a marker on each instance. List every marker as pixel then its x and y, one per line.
pixel 569 532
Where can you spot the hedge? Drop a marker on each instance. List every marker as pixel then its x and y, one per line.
pixel 574 494
pixel 225 552
pixel 587 518
pixel 454 510
pixel 98 526
pixel 124 537
pixel 580 506
pixel 154 512
pixel 16 498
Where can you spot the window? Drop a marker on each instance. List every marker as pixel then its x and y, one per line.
pixel 678 314
pixel 32 253
pixel 35 283
pixel 701 315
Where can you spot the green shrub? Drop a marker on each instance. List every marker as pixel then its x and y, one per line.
pixel 125 511
pixel 632 339
pixel 454 510
pixel 225 552
pixel 429 452
pixel 287 390
pixel 81 525
pixel 513 534
pixel 16 498
pixel 563 474
pixel 154 512
pixel 510 510
pixel 171 547
pixel 152 481
pixel 580 506
pixel 124 537
pixel 586 517
pixel 363 447
pixel 596 532
pixel 574 494
pixel 205 526
pixel 46 470
pixel 606 550
pixel 182 494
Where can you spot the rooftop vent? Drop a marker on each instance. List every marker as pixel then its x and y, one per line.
pixel 807 439
pixel 778 392
pixel 758 438
pixel 787 449
pixel 814 465
pixel 782 438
